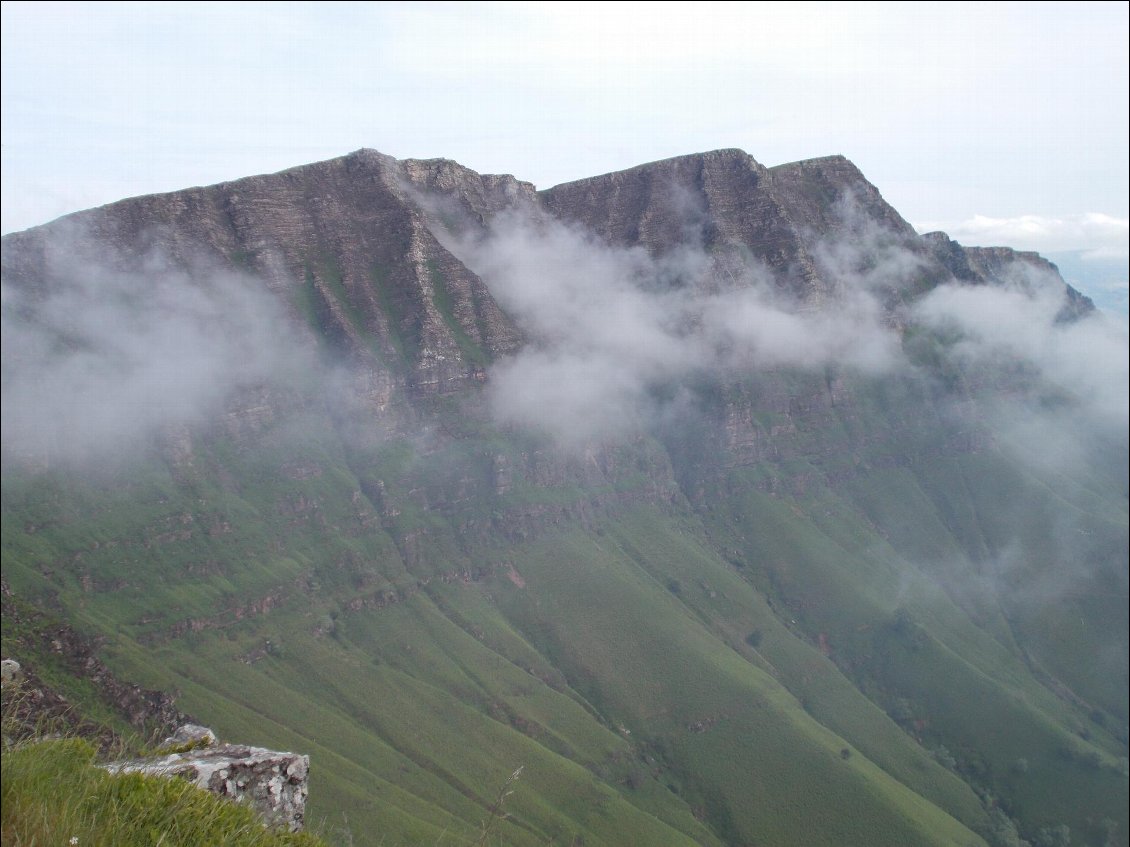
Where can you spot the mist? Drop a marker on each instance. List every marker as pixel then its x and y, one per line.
pixel 610 325
pixel 1084 358
pixel 613 329
pixel 103 360
pixel 1074 415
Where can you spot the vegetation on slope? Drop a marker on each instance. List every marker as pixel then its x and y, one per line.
pixel 795 690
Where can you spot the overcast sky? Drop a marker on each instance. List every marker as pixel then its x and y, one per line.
pixel 1001 123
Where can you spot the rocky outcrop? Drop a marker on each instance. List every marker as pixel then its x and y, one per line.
pixel 821 196
pixel 9 671
pixel 270 782
pixel 994 265
pixel 31 703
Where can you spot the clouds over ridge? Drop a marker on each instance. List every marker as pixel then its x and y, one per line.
pixel 614 333
pixel 102 360
pixel 611 326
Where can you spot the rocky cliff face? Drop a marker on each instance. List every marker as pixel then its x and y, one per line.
pixel 367 258
pixel 353 249
pixel 345 241
pixel 728 203
pixel 723 201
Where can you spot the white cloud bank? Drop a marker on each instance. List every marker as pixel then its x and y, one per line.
pixel 611 325
pixel 109 358
pixel 103 360
pixel 612 329
pixel 1086 360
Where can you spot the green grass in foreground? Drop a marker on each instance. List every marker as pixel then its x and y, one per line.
pixel 55 794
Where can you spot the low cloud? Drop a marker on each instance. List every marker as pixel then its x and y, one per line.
pixel 611 325
pixel 1083 360
pixel 106 358
pixel 614 328
pixel 605 325
pixel 103 360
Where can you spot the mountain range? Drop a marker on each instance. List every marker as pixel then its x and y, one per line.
pixel 710 497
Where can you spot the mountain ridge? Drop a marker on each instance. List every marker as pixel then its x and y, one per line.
pixel 691 487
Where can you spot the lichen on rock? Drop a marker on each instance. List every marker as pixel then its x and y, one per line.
pixel 272 783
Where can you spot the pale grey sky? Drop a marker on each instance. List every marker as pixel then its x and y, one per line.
pixel 1002 123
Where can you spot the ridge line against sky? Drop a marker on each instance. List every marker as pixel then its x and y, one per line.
pixel 1001 123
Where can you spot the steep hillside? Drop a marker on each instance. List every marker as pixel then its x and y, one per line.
pixel 710 495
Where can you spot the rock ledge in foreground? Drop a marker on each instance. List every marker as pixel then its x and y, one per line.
pixel 271 782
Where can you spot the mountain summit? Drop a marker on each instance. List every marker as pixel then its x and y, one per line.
pixel 712 496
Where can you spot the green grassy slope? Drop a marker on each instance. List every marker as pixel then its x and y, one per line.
pixel 765 668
